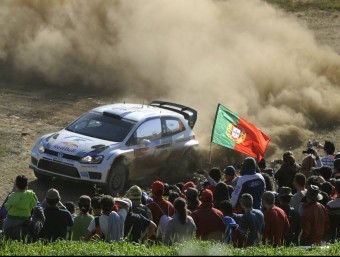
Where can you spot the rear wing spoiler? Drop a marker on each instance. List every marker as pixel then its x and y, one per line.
pixel 189 114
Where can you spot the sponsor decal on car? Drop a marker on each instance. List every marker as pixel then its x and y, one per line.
pixel 70 147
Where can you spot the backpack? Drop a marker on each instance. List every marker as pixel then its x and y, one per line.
pixel 163 222
pixel 97 232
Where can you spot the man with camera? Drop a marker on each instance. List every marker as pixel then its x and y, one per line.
pixel 329 149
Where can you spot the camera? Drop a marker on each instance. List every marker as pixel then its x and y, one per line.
pixel 312 143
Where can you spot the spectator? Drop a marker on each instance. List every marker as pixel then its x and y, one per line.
pixel 266 170
pixel 111 223
pixel 337 168
pixel 221 193
pixel 213 177
pixel 285 174
pixel 328 189
pixel 193 202
pixel 208 220
pixel 326 172
pixel 284 197
pixel 250 182
pixel 181 227
pixel 315 220
pixel 270 184
pixel 187 185
pixel 299 184
pixel 227 209
pixel 276 221
pixel 251 224
pixel 173 196
pixel 307 164
pixel 82 221
pixel 71 207
pixel 134 193
pixel 230 175
pixel 58 218
pixel 228 218
pixel 137 228
pixel 333 207
pixel 329 149
pixel 19 206
pixel 95 205
pixel 159 206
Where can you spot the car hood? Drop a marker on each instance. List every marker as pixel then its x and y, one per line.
pixel 75 144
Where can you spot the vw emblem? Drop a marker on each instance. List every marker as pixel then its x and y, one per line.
pixel 60 155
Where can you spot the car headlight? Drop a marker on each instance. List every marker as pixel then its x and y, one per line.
pixel 41 148
pixel 92 159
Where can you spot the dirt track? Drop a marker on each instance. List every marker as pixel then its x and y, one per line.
pixel 27 114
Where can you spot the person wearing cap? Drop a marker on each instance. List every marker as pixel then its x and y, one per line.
pixel 276 221
pixel 19 206
pixel 181 227
pixel 208 220
pixel 333 208
pixel 250 182
pixel 134 193
pixel 315 219
pixel 82 221
pixel 159 206
pixel 284 197
pixel 58 218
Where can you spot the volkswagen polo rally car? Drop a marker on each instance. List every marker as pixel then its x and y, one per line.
pixel 118 143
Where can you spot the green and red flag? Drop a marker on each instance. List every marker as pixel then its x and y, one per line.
pixel 234 132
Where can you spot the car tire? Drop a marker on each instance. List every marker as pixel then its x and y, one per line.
pixel 117 179
pixel 42 177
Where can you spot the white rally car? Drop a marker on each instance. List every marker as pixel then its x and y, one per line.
pixel 118 143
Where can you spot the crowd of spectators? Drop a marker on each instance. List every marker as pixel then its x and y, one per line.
pixel 288 203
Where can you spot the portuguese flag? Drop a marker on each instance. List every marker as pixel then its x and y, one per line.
pixel 234 132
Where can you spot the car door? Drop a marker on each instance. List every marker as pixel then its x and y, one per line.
pixel 150 148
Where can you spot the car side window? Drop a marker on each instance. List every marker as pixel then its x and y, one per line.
pixel 172 126
pixel 150 130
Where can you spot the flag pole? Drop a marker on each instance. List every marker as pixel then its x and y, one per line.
pixel 209 156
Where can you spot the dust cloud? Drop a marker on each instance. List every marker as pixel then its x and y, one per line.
pixel 256 60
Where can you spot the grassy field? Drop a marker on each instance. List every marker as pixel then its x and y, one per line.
pixel 98 248
pixel 302 5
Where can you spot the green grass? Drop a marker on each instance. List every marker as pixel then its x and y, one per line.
pixel 62 248
pixel 302 5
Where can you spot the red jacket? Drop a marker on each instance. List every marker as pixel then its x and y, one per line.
pixel 276 226
pixel 209 222
pixel 315 223
pixel 160 206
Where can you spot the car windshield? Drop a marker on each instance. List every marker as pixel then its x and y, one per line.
pixel 103 126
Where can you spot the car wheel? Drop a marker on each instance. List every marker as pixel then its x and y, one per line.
pixel 117 179
pixel 42 177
